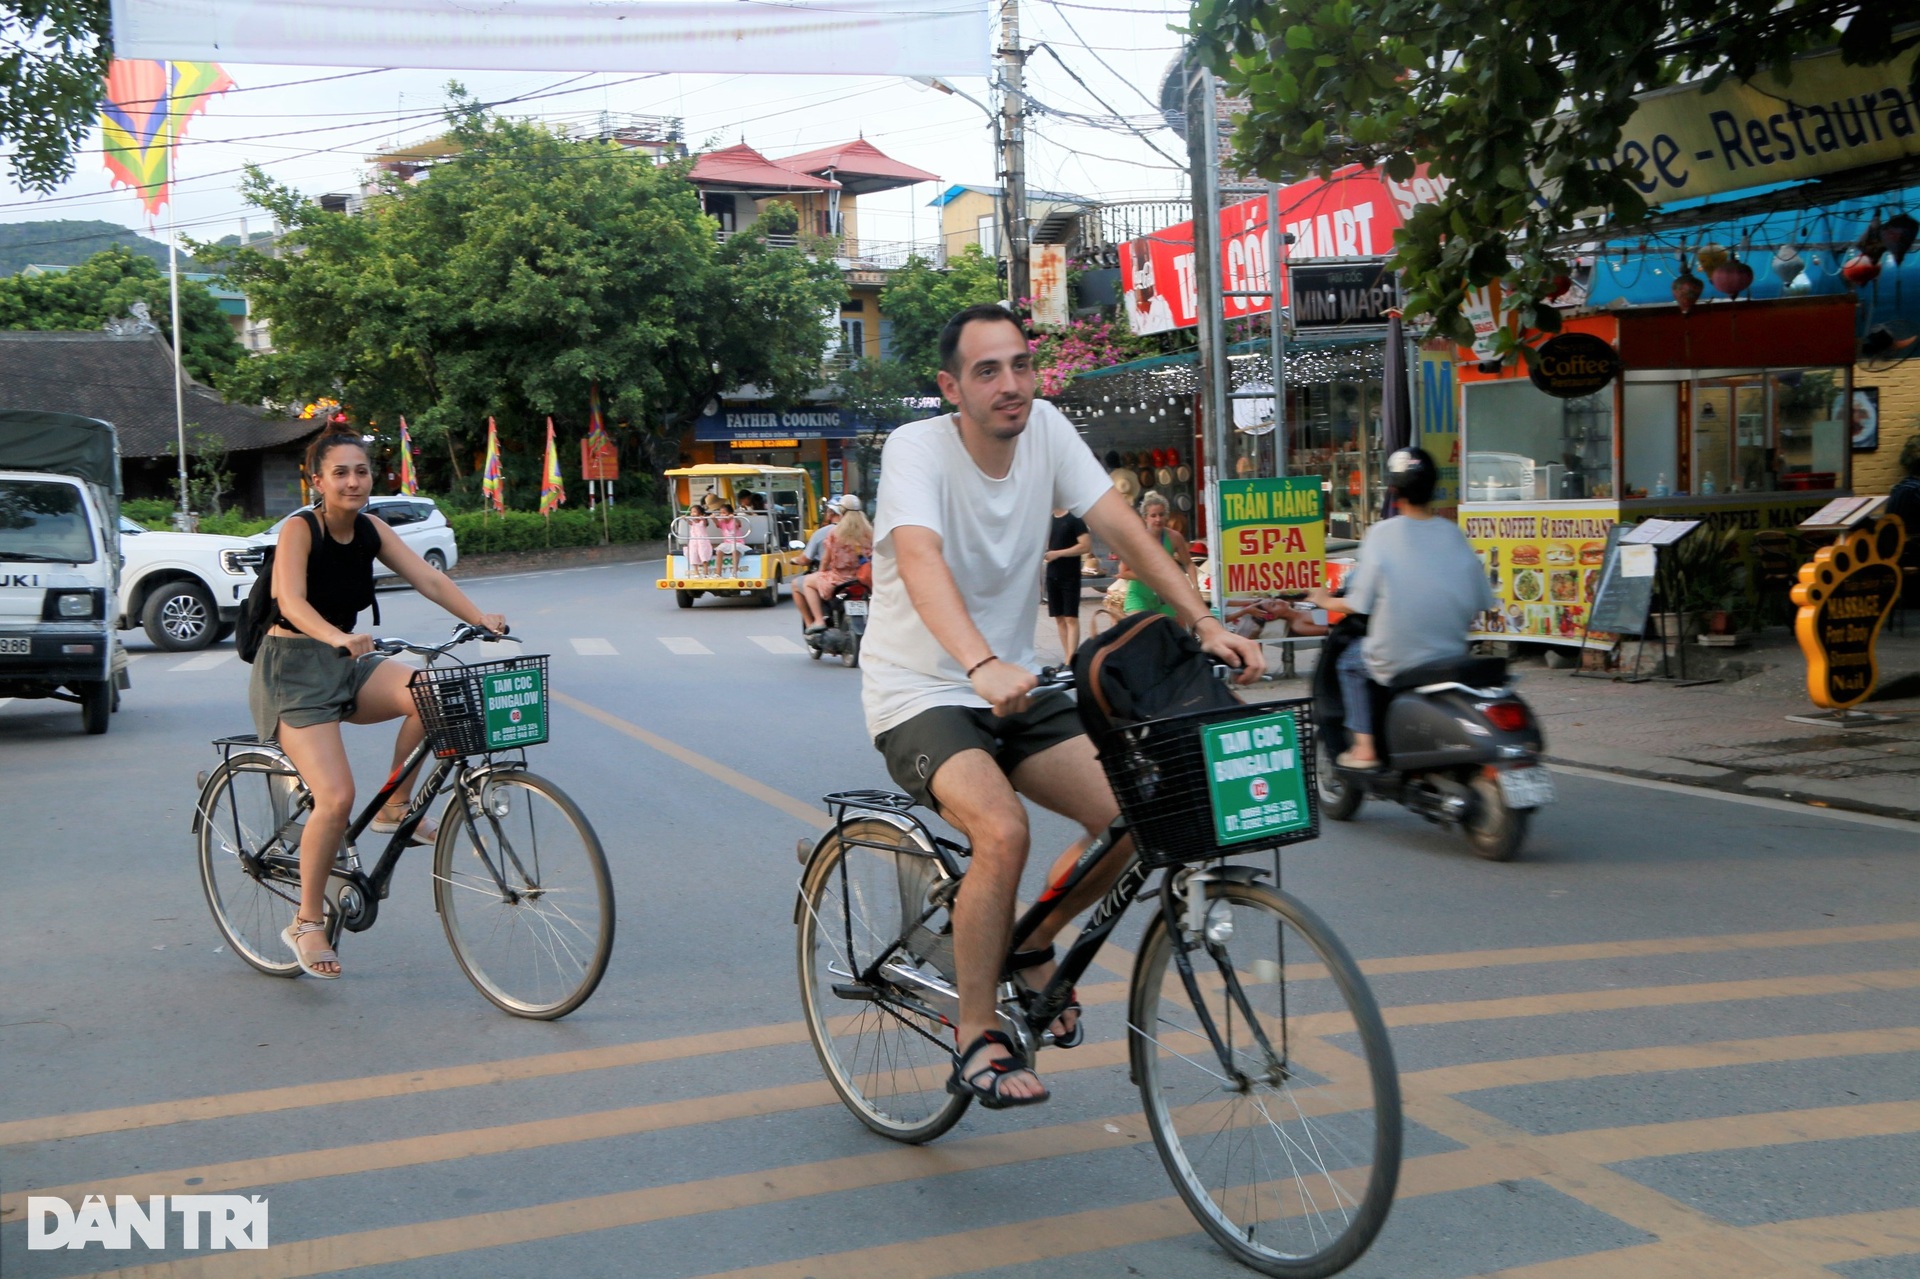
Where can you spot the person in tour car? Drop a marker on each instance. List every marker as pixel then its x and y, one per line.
pixel 1418 583
pixel 948 661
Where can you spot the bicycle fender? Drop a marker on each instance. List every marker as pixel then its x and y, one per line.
pixel 906 825
pixel 219 775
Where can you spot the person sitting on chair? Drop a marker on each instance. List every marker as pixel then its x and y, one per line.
pixel 1252 620
pixel 1420 585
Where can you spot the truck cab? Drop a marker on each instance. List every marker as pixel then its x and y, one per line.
pixel 60 562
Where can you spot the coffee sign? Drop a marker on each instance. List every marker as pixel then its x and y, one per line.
pixel 1574 364
pixel 1845 594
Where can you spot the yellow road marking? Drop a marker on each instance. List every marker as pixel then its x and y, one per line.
pixel 403 1083
pixel 805 813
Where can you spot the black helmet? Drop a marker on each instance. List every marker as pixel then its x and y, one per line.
pixel 1413 474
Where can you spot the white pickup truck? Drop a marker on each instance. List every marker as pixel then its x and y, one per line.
pixel 60 562
pixel 183 588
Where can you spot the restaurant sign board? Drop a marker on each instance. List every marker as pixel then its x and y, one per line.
pixel 1570 365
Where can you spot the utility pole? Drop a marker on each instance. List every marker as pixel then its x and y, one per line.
pixel 1013 151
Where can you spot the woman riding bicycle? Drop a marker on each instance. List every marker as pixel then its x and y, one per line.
pixel 303 686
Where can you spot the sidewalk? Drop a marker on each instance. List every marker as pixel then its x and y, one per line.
pixel 1733 735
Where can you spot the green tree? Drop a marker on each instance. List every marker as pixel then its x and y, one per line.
pixel 510 278
pixel 101 289
pixel 1520 105
pixel 53 70
pixel 919 299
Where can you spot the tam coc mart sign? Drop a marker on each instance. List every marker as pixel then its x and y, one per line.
pixel 1352 214
pixel 1689 144
pixel 816 37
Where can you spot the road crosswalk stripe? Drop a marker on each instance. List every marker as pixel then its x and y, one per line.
pixel 594 648
pixel 643 1052
pixel 205 661
pixel 685 646
pixel 718 1108
pixel 778 643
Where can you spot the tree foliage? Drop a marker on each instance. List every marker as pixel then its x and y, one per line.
pixel 919 300
pixel 101 289
pixel 509 279
pixel 1521 106
pixel 53 71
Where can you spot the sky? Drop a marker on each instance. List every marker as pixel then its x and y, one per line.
pixel 317 136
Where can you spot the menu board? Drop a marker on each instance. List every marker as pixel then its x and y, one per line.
pixel 1625 591
pixel 1544 567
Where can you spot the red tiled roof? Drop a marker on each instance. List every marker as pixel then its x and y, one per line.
pixel 860 167
pixel 742 166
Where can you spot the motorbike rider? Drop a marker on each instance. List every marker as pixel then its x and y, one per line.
pixel 1420 586
pixel 810 612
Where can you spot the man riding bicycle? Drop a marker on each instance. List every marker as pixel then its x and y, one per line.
pixel 964 509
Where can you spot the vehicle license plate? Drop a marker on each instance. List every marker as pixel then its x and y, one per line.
pixel 856 608
pixel 21 646
pixel 1526 787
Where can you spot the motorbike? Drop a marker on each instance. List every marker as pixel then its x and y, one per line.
pixel 1458 746
pixel 846 617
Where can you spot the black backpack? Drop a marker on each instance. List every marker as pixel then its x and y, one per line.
pixel 1144 668
pixel 259 613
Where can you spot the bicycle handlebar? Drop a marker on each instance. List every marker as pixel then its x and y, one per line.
pixel 392 645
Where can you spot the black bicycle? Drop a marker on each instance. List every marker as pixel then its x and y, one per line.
pixel 1262 1062
pixel 519 878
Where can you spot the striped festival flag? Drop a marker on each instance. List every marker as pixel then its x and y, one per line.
pixel 145 114
pixel 492 483
pixel 598 440
pixel 409 482
pixel 552 491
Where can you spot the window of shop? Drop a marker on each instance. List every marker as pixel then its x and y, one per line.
pixel 1758 432
pixel 1527 446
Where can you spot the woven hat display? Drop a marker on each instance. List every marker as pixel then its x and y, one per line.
pixel 1125 481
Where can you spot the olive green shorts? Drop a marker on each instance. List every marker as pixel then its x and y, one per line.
pixel 916 749
pixel 303 682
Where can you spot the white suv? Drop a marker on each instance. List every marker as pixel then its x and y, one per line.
pixel 183 588
pixel 416 519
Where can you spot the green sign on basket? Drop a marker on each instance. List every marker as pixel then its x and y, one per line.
pixel 1255 779
pixel 516 707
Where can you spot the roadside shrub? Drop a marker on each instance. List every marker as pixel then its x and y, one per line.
pixel 150 512
pixel 479 533
pixel 233 524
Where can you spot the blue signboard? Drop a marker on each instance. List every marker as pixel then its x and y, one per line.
pixel 759 422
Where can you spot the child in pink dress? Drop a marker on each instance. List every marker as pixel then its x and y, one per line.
pixel 733 534
pixel 699 548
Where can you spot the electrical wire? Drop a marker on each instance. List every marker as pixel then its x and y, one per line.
pixel 1097 98
pixel 1097 58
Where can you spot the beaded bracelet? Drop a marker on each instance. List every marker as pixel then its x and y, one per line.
pixel 990 657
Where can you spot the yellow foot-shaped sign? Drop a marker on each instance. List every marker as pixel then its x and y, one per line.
pixel 1845 594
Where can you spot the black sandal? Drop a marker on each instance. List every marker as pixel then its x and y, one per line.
pixel 995 1070
pixel 1017 965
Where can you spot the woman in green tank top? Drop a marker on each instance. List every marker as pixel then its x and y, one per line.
pixel 1141 598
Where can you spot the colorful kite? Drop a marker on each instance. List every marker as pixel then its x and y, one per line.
pixel 148 105
pixel 553 491
pixel 492 483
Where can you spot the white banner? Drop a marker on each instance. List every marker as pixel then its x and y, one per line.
pixel 808 37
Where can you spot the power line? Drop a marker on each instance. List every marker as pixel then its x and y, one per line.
pixel 1097 58
pixel 1103 102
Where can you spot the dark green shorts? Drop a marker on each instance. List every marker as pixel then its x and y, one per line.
pixel 916 749
pixel 302 682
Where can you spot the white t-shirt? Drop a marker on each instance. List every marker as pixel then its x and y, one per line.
pixel 992 532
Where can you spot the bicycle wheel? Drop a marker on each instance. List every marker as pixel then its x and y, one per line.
pixel 252 889
pixel 1288 1157
pixel 886 1047
pixel 529 908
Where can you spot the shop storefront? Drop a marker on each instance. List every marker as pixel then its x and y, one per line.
pixel 1734 414
pixel 822 439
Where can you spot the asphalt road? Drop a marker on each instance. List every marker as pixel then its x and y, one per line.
pixel 1677 1038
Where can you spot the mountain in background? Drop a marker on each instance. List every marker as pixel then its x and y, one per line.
pixel 69 243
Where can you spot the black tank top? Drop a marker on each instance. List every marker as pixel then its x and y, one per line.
pixel 340 575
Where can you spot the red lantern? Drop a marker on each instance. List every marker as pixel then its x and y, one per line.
pixel 1558 288
pixel 1687 290
pixel 1732 277
pixel 1860 271
pixel 1897 234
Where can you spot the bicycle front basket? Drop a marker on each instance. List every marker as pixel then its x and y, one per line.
pixel 488 706
pixel 1216 783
